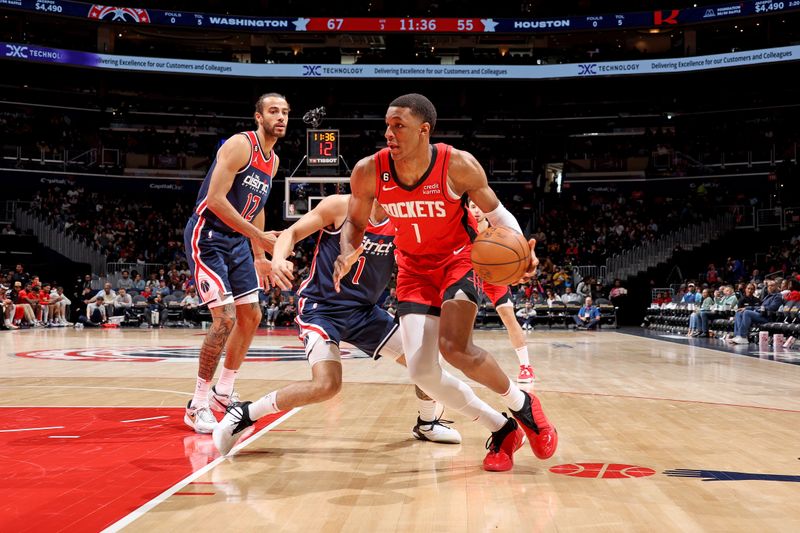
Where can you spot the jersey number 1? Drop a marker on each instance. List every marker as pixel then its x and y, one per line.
pixel 248 212
pixel 361 262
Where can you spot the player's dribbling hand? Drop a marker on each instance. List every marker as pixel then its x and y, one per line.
pixel 267 240
pixel 343 265
pixel 264 269
pixel 531 271
pixel 282 273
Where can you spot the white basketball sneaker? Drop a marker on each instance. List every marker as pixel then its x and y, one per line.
pixel 436 431
pixel 200 419
pixel 220 402
pixel 235 425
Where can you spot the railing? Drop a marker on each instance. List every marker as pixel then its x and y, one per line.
pixel 597 272
pixel 650 254
pixel 55 156
pixel 56 238
pixel 7 211
pixel 113 270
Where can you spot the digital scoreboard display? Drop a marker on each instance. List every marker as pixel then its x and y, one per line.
pixel 322 148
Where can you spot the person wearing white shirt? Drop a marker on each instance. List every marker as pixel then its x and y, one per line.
pixel 570 297
pixel 190 303
pixel 100 301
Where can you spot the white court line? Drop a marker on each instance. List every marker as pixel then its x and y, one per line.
pixel 92 387
pixel 29 429
pixel 143 419
pixel 63 437
pixel 138 513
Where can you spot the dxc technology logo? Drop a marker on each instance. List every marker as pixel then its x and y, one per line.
pixel 312 70
pixel 20 51
pixel 587 69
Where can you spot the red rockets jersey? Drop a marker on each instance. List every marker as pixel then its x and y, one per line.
pixel 430 224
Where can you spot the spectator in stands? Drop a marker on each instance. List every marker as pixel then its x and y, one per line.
pixel 584 288
pixel 560 277
pixel 729 299
pixel 8 308
pixel 125 282
pixel 99 302
pixel 158 310
pixel 526 314
pixel 162 289
pixel 138 282
pixel 20 275
pixel 748 300
pixel 153 281
pixel 570 297
pixel 288 312
pixel 9 230
pixel 551 298
pixel 698 321
pixel 390 303
pixel 692 296
pixel 588 316
pixel 770 305
pixel 273 306
pixel 712 276
pixel 190 305
pixel 123 302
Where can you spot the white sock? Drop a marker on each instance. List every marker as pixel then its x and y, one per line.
pixel 522 355
pixel 265 405
pixel 201 393
pixel 427 410
pixel 514 397
pixel 226 379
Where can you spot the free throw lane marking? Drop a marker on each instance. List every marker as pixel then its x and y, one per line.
pixel 143 419
pixel 30 429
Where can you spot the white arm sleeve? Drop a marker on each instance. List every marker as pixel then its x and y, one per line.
pixel 502 217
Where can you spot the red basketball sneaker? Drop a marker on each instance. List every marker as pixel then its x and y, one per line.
pixel 526 374
pixel 542 434
pixel 501 445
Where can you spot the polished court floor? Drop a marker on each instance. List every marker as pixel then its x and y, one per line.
pixel 654 436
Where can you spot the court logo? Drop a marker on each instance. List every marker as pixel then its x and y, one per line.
pixel 312 70
pixel 602 470
pixel 17 51
pixel 155 354
pixel 587 69
pixel 119 14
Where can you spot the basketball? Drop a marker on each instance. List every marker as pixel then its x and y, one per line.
pixel 500 255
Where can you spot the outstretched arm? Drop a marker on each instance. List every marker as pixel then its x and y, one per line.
pixel 329 212
pixel 362 189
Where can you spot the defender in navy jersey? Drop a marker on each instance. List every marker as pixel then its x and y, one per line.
pixel 326 318
pixel 225 245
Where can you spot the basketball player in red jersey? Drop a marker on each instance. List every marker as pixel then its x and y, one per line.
pixel 423 188
pixel 500 296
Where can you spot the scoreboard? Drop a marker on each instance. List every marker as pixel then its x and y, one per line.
pixel 322 148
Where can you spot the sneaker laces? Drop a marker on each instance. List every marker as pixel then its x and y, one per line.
pixel 240 415
pixel 437 422
pixel 496 439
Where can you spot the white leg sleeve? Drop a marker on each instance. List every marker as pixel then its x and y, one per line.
pixel 421 346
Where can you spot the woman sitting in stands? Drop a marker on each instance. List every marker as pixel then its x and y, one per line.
pixel 698 321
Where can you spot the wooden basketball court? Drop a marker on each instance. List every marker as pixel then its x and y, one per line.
pixel 654 436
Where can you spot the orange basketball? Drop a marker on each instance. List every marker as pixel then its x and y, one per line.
pixel 500 255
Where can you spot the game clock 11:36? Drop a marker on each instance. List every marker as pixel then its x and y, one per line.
pixel 322 147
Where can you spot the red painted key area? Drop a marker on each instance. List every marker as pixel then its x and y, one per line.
pixel 95 469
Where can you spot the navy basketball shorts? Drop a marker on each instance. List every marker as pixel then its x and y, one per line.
pixel 222 265
pixel 369 328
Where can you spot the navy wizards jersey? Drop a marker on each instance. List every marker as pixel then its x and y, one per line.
pixel 368 278
pixel 249 190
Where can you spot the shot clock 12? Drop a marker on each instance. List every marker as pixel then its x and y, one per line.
pixel 322 147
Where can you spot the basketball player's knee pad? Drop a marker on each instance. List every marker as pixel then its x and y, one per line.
pixel 318 349
pixel 246 299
